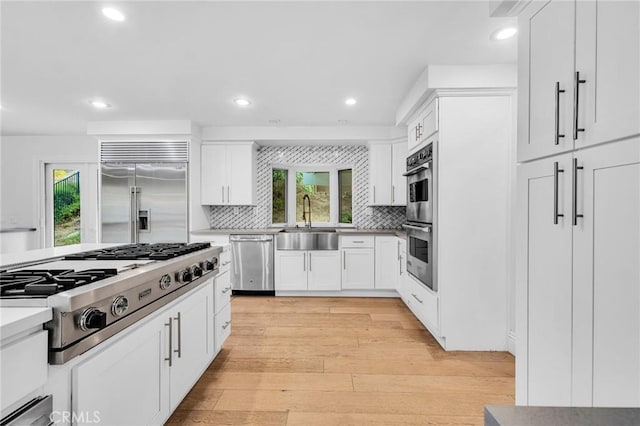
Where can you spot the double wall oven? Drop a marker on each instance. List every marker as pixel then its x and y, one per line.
pixel 420 207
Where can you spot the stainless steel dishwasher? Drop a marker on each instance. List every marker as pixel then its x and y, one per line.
pixel 252 266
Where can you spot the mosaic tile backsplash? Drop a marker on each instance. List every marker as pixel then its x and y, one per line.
pixel 250 217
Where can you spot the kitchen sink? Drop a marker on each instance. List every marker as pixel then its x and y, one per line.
pixel 305 239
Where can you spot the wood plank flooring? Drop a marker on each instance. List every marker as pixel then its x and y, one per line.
pixel 341 361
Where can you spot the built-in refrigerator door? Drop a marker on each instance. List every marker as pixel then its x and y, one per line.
pixel 161 202
pixel 117 202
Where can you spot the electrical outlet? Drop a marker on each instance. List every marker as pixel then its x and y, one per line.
pixel 236 211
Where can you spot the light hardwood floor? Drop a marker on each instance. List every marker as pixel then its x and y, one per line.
pixel 341 361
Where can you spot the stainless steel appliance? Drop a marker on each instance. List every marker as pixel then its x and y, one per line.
pixel 252 266
pixel 420 251
pixel 143 191
pixel 98 293
pixel 36 412
pixel 420 196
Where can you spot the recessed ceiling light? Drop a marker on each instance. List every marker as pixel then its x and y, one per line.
pixel 350 101
pixel 242 102
pixel 113 14
pixel 504 33
pixel 99 104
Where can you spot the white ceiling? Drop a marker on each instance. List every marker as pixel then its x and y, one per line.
pixel 296 61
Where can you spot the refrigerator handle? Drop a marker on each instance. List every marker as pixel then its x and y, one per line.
pixel 134 213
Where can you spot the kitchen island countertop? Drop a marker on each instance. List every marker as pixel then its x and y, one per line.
pixel 14 320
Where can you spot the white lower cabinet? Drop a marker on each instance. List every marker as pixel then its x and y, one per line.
pixel 307 270
pixel 387 256
pixel 358 268
pixel 423 303
pixel 127 383
pixel 222 310
pixel 578 281
pixel 143 376
pixel 190 320
pixel 324 270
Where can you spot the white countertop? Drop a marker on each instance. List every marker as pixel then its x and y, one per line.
pixel 48 253
pixel 16 320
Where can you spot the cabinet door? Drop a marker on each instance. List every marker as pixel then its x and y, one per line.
pixel 544 288
pixel 241 186
pixel 387 253
pixel 128 382
pixel 400 151
pixel 548 58
pixel 291 270
pixel 380 179
pixel 358 268
pixel 414 133
pixel 606 253
pixel 608 59
pixel 429 120
pixel 213 178
pixel 190 341
pixel 324 270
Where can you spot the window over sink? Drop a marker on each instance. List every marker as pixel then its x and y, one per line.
pixel 329 189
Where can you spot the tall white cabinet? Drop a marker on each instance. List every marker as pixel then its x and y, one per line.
pixel 578 213
pixel 578 278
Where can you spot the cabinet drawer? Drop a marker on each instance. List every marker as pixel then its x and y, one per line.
pixel 225 259
pixel 423 303
pixel 364 241
pixel 223 326
pixel 222 290
pixel 24 367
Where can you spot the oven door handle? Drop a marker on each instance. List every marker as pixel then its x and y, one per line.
pixel 417 228
pixel 425 166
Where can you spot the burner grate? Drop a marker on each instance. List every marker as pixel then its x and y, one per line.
pixel 27 283
pixel 155 251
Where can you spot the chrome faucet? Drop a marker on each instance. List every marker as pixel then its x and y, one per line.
pixel 304 212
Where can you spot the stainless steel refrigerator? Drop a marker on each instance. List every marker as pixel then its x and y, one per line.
pixel 144 202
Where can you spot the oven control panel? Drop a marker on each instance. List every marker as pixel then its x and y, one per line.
pixel 420 157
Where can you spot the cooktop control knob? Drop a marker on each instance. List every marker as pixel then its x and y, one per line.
pixel 215 262
pixel 208 265
pixel 196 271
pixel 165 281
pixel 119 306
pixel 92 318
pixel 184 276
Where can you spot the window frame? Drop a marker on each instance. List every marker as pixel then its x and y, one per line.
pixel 334 193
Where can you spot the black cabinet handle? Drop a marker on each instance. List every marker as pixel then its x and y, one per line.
pixel 575 191
pixel 558 135
pixel 576 103
pixel 556 215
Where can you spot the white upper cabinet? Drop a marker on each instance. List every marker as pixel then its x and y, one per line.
pixel 228 174
pixel 423 125
pixel 387 185
pixel 574 103
pixel 399 151
pixel 550 80
pixel 380 177
pixel 608 60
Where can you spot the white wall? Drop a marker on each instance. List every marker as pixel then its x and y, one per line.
pixel 21 174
